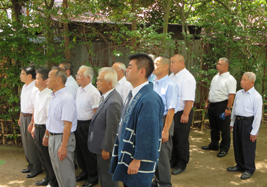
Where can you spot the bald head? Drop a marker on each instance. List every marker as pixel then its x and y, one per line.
pixel 177 63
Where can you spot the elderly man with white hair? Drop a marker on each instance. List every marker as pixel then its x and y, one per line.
pixel 87 101
pixel 245 122
pixel 123 86
pixel 104 125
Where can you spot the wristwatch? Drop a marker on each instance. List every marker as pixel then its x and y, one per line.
pixel 228 108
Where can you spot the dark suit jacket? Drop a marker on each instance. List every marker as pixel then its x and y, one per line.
pixel 104 125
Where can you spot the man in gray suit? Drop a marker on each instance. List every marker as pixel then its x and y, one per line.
pixel 104 125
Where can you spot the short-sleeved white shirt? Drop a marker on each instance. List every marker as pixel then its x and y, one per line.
pixel 123 87
pixel 27 98
pixel 221 86
pixel 41 106
pixel 62 108
pixel 187 87
pixel 72 86
pixel 87 99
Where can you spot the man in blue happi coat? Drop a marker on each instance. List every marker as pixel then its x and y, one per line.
pixel 137 145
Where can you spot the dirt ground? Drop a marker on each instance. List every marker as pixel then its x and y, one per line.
pixel 205 169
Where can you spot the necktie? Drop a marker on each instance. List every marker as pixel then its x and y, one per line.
pixel 123 112
pixel 101 99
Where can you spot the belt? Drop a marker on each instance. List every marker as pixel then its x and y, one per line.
pixel 219 102
pixel 241 117
pixel 55 133
pixel 26 114
pixel 39 126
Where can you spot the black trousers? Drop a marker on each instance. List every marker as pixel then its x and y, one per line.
pixel 43 154
pixel 244 148
pixel 180 151
pixel 218 126
pixel 86 160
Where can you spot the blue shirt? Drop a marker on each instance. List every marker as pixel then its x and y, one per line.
pixel 248 104
pixel 62 108
pixel 168 91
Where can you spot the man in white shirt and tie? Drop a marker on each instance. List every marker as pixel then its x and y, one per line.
pixel 26 121
pixel 71 84
pixel 87 101
pixel 123 86
pixel 41 105
pixel 245 122
pixel 61 124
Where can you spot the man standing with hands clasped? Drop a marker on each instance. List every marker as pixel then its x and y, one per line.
pixel 221 97
pixel 245 122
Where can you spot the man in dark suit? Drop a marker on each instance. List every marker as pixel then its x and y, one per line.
pixel 104 125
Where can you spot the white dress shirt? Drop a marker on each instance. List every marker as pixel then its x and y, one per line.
pixel 87 99
pixel 123 87
pixel 221 86
pixel 27 98
pixel 41 106
pixel 136 89
pixel 248 104
pixel 186 86
pixel 72 86
pixel 62 108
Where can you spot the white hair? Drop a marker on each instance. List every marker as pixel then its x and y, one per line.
pixel 88 71
pixel 121 66
pixel 226 61
pixel 251 76
pixel 110 76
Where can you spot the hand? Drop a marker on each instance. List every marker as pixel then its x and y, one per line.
pixel 231 129
pixel 253 137
pixel 32 132
pixel 227 112
pixel 206 106
pixel 184 118
pixel 134 167
pixel 62 153
pixel 105 154
pixel 30 128
pixel 45 141
pixel 19 122
pixel 165 136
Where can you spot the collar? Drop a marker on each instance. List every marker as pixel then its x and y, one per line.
pixel 180 72
pixel 30 85
pixel 86 88
pixel 57 93
pixel 249 91
pixel 136 89
pixel 43 92
pixel 162 79
pixel 123 79
pixel 224 74
pixel 107 93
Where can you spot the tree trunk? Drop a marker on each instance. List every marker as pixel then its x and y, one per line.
pixel 134 24
pixel 167 8
pixel 66 31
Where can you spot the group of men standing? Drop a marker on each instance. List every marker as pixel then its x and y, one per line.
pixel 134 131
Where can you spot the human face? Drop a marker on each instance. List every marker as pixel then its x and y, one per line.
pixel 176 65
pixel 39 82
pixel 246 84
pixel 221 67
pixel 52 80
pixel 101 84
pixel 159 68
pixel 23 76
pixel 81 79
pixel 132 72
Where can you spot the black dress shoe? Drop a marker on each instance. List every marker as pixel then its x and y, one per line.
pixel 246 175
pixel 31 175
pixel 90 184
pixel 221 154
pixel 210 148
pixel 25 171
pixel 44 182
pixel 233 169
pixel 177 171
pixel 82 176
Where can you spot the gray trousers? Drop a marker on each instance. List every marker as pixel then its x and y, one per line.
pixel 64 170
pixel 163 171
pixel 103 171
pixel 29 146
